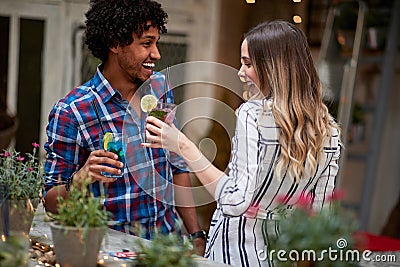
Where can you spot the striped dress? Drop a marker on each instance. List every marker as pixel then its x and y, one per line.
pixel 246 197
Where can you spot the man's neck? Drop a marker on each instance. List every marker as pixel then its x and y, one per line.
pixel 119 82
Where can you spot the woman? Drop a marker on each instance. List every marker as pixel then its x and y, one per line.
pixel 285 143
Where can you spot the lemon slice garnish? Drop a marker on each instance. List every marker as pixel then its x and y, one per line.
pixel 148 103
pixel 107 139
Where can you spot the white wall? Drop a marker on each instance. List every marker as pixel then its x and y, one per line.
pixel 195 18
pixel 51 13
pixel 199 20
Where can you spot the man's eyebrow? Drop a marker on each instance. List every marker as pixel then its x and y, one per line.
pixel 149 37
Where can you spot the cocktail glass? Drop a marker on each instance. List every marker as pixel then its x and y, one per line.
pixel 113 142
pixel 164 111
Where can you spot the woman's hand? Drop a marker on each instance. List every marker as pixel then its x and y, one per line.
pixel 162 135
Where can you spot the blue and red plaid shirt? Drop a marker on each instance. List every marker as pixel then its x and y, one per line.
pixel 145 194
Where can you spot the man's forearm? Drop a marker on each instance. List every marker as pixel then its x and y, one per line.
pixel 185 203
pixel 186 208
pixel 51 198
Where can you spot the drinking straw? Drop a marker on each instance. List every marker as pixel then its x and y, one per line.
pixel 166 81
pixel 98 116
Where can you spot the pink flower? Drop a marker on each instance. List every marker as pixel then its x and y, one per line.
pixel 281 199
pixel 252 210
pixel 30 169
pixel 34 144
pixel 19 158
pixel 7 154
pixel 337 195
pixel 304 201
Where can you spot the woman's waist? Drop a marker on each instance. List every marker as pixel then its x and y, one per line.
pixel 262 213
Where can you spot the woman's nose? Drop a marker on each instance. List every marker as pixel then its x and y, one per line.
pixel 242 75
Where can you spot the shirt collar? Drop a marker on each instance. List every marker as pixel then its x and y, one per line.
pixel 102 86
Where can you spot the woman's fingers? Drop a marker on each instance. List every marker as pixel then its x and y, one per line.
pixel 153 141
pixel 155 121
pixel 155 130
pixel 161 135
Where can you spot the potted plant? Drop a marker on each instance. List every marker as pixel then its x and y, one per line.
pixel 21 185
pixel 14 251
pixel 164 251
pixel 310 238
pixel 79 226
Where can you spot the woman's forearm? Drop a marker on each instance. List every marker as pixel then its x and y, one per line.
pixel 205 171
pixel 162 135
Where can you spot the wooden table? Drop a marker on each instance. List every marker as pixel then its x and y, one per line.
pixel 114 241
pixel 117 241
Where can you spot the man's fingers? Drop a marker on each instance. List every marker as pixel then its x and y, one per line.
pixel 104 153
pixel 101 157
pixel 103 179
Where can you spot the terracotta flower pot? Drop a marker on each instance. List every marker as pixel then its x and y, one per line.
pixel 20 213
pixel 14 251
pixel 74 250
pixel 305 264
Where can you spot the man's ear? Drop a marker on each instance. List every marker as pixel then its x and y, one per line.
pixel 114 49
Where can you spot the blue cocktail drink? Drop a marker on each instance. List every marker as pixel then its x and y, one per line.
pixel 113 142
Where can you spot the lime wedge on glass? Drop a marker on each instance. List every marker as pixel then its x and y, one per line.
pixel 148 103
pixel 108 137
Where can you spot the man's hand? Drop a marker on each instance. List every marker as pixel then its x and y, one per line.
pixel 199 246
pixel 93 168
pixel 95 164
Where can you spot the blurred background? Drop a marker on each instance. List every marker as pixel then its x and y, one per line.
pixel 355 46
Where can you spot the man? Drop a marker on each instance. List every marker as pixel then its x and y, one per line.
pixel 123 34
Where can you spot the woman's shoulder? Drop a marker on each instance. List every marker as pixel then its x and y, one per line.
pixel 253 108
pixel 332 141
pixel 259 114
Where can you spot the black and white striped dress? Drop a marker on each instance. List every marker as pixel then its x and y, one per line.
pixel 246 197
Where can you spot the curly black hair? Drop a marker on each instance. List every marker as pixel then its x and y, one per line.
pixel 110 23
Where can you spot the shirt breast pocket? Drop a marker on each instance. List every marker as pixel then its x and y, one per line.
pixel 268 149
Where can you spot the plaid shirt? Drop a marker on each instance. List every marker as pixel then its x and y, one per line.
pixel 145 194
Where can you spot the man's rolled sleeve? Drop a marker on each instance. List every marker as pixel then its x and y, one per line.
pixel 61 147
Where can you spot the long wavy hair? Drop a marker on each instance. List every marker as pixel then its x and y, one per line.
pixel 282 60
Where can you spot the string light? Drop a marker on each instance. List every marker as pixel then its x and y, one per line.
pixel 297 19
pixel 250 1
pixel 297 1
